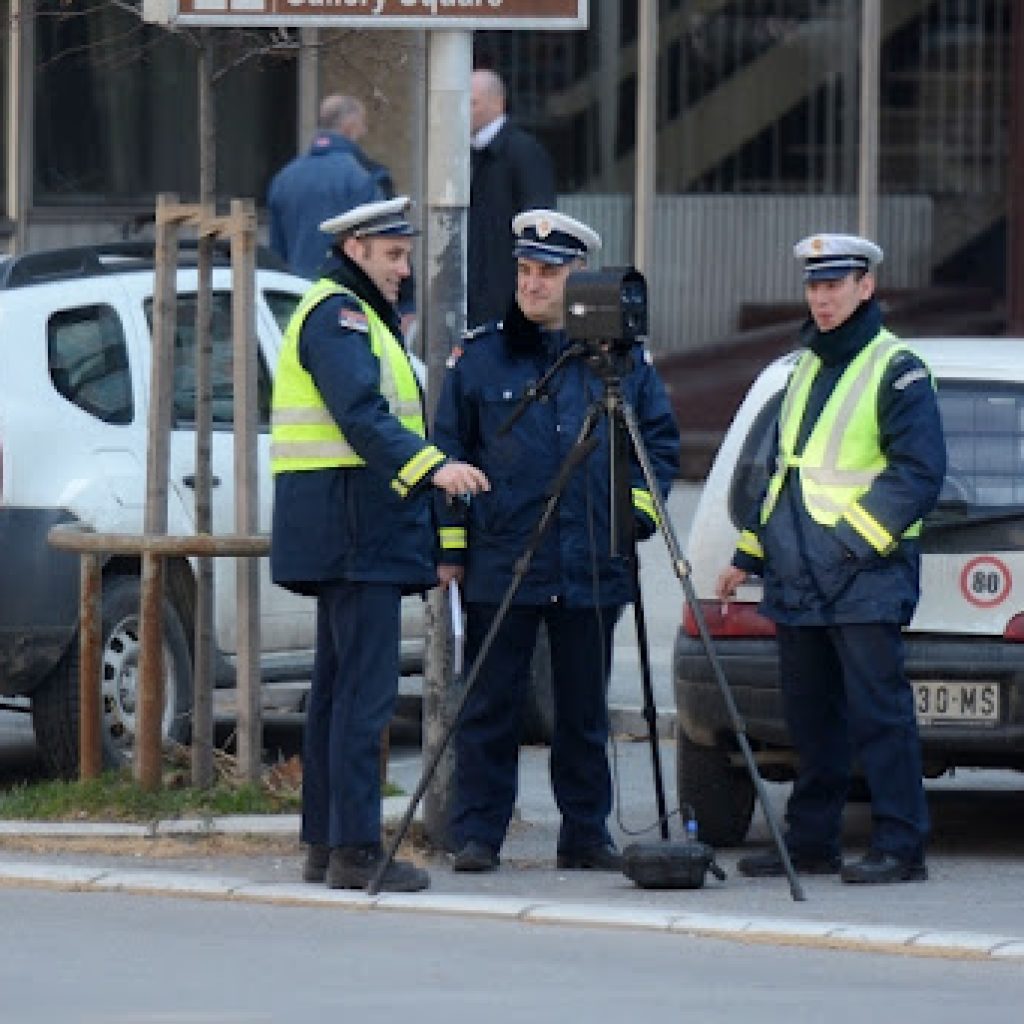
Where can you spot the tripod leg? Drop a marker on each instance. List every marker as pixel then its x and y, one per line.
pixel 585 444
pixel 681 568
pixel 650 712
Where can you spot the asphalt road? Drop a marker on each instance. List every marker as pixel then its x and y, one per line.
pixel 79 958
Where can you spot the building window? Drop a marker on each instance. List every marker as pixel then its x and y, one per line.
pixel 116 110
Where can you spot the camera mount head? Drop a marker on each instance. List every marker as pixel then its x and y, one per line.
pixel 607 311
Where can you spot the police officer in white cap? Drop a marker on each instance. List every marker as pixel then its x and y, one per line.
pixel 352 526
pixel 574 585
pixel 859 461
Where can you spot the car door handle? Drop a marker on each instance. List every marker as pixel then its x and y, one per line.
pixel 189 480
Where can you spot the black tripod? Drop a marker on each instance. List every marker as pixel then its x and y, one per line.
pixel 623 433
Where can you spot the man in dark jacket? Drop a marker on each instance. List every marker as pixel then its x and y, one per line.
pixel 510 172
pixel 333 176
pixel 859 461
pixel 574 584
pixel 353 526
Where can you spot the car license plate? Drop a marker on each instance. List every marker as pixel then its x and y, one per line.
pixel 938 702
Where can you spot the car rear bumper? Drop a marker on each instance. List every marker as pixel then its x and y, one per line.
pixel 751 670
pixel 38 597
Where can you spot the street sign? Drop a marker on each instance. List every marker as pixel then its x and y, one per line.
pixel 392 14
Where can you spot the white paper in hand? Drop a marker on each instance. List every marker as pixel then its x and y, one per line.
pixel 455 605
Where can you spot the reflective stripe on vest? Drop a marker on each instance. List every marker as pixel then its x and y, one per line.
pixel 303 434
pixel 842 457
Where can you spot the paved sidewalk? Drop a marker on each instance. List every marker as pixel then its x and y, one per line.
pixel 973 907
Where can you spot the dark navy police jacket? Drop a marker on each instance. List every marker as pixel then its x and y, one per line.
pixel 483 386
pixel 816 575
pixel 348 524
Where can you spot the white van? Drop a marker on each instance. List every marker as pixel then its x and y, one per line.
pixel 965 645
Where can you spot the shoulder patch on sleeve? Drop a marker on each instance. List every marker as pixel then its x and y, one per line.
pixel 353 321
pixel 904 381
pixel 351 315
pixel 473 333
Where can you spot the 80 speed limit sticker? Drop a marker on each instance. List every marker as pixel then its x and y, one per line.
pixel 985 581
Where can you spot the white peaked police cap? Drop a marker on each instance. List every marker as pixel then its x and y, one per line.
pixel 828 257
pixel 372 220
pixel 550 237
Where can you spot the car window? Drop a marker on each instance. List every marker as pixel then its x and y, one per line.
pixel 282 305
pixel 984 427
pixel 751 472
pixel 88 362
pixel 223 393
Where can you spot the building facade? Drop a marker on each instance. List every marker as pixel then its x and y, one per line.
pixel 757 110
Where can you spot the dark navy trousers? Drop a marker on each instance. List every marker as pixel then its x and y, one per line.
pixel 351 700
pixel 487 737
pixel 846 698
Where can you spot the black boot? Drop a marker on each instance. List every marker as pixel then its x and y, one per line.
pixel 314 869
pixel 591 858
pixel 878 867
pixel 475 857
pixel 353 867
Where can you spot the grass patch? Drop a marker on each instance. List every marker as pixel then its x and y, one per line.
pixel 116 796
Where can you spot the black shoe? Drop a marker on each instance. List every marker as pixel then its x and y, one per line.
pixel 877 866
pixel 593 858
pixel 768 864
pixel 475 857
pixel 314 868
pixel 353 867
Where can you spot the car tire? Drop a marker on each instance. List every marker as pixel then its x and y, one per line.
pixel 55 704
pixel 720 794
pixel 539 703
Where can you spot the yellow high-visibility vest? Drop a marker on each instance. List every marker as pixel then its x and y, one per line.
pixel 842 456
pixel 303 434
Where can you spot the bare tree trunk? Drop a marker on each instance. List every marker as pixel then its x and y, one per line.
pixel 202 705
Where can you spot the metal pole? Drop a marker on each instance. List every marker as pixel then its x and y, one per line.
pixel 309 86
pixel 449 65
pixel 870 46
pixel 646 138
pixel 609 47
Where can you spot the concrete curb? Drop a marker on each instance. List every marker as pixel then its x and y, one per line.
pixel 393 808
pixel 912 941
pixel 953 945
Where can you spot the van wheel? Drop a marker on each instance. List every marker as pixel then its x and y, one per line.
pixel 539 707
pixel 55 705
pixel 721 795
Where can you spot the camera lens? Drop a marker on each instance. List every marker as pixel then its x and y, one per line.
pixel 633 302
